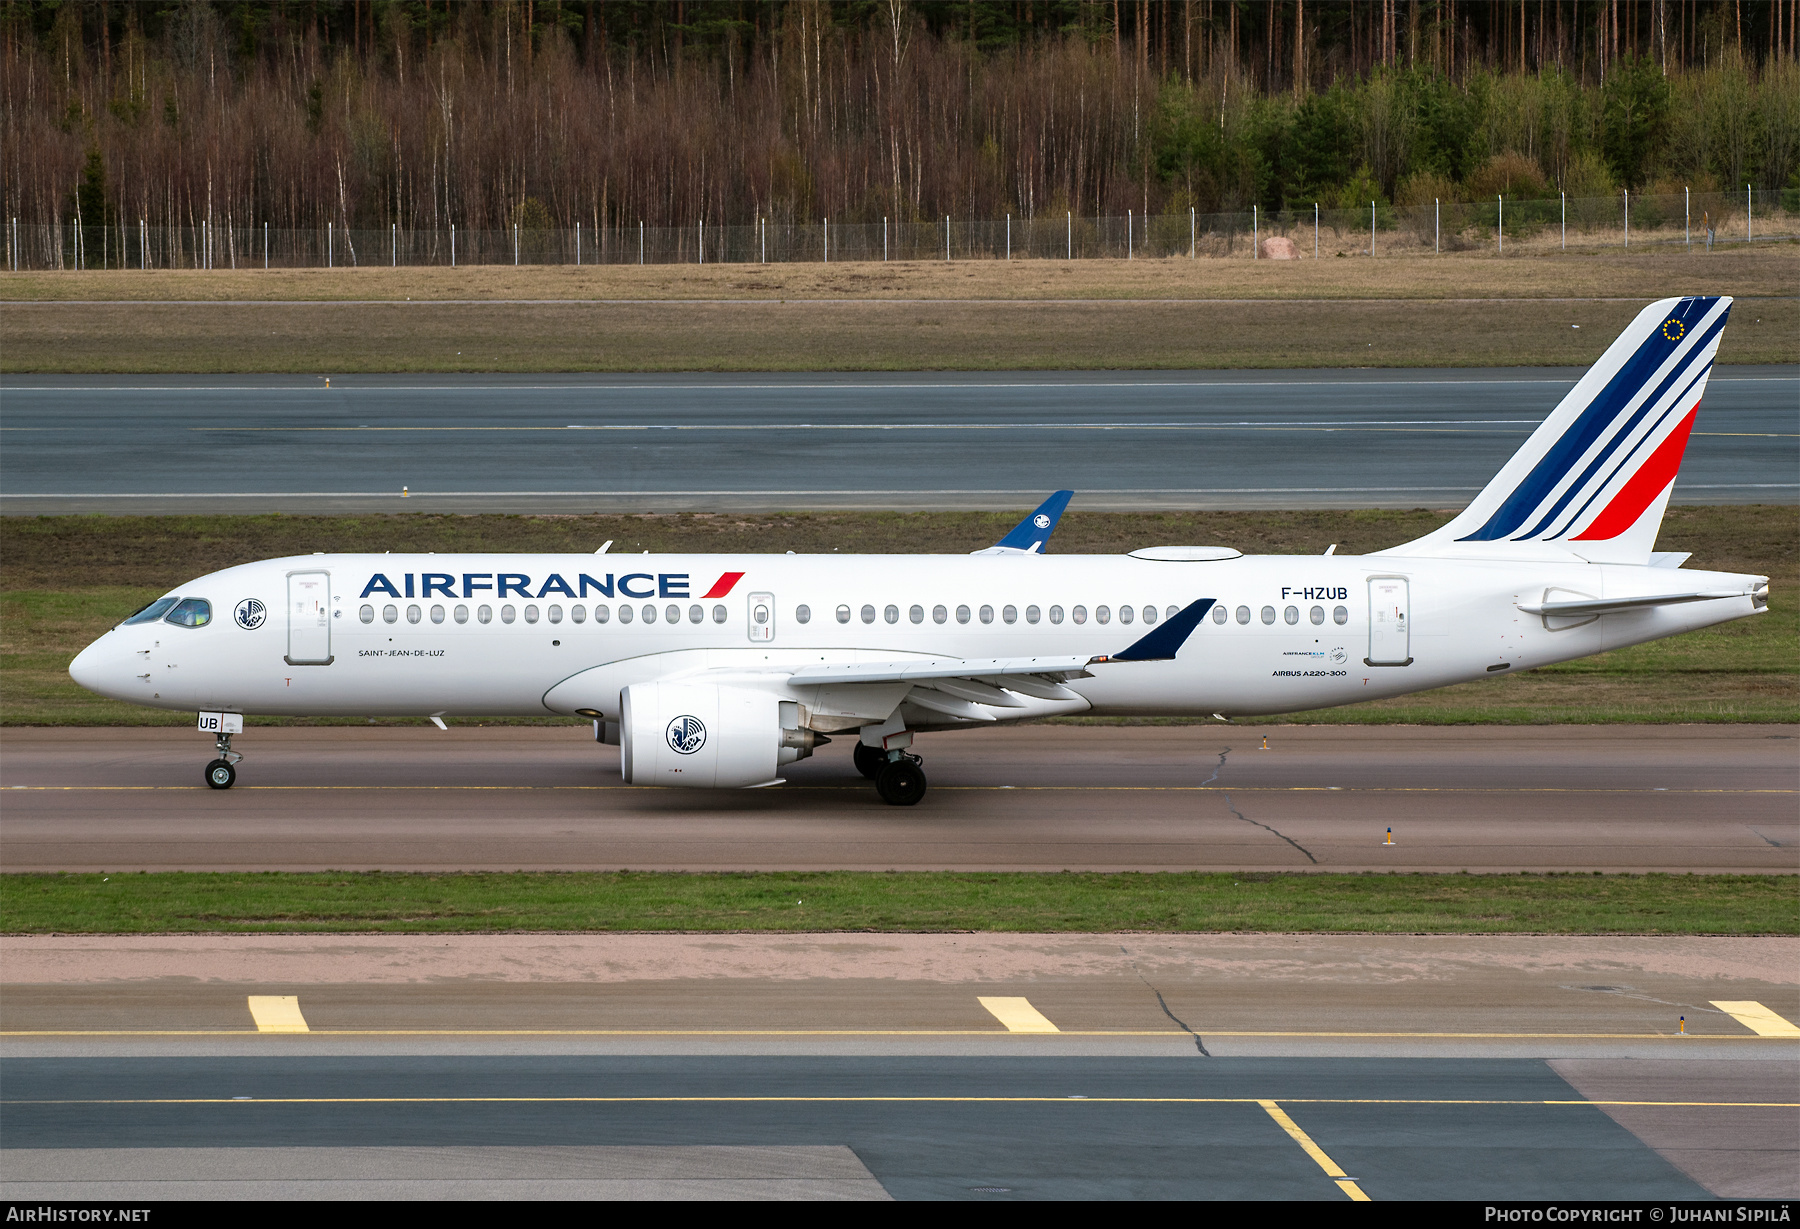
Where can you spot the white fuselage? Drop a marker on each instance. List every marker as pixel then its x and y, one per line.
pixel 405 634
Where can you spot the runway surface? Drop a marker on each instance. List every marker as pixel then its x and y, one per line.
pixel 1289 439
pixel 899 1066
pixel 1666 798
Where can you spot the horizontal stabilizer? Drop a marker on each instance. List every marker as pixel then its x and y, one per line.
pixel 1166 641
pixel 1602 605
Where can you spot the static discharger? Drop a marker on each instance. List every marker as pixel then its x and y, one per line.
pixel 1390 837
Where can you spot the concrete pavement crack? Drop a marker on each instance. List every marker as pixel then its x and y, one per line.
pixel 1232 807
pixel 1199 1044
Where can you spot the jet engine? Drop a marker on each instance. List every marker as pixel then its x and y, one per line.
pixel 708 737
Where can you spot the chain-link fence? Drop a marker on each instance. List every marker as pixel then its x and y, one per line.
pixel 1504 226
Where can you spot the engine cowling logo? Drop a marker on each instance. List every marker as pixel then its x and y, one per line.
pixel 686 735
pixel 250 614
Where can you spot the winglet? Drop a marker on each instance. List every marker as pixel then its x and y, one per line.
pixel 1029 535
pixel 1166 641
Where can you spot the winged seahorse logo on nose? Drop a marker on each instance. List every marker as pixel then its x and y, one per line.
pixel 686 735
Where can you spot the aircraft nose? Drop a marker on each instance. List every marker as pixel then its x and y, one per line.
pixel 89 668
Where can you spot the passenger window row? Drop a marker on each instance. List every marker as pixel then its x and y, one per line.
pixel 1008 614
pixel 1291 615
pixel 554 613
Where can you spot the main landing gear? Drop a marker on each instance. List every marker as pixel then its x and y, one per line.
pixel 222 772
pixel 897 775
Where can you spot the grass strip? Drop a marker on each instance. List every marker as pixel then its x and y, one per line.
pixel 918 901
pixel 327 339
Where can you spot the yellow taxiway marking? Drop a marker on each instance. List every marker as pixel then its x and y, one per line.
pixel 277 1013
pixel 1758 1019
pixel 1332 1169
pixel 1017 1014
pixel 882 1032
pixel 1571 1103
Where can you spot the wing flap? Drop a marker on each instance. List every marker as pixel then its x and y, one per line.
pixel 941 668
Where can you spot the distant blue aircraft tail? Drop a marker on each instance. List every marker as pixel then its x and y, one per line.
pixel 1029 535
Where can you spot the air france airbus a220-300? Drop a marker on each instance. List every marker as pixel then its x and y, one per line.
pixel 714 671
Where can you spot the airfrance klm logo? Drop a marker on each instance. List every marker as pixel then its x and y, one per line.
pixel 521 584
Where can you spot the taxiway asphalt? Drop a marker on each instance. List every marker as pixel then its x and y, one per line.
pixel 1602 798
pixel 872 1066
pixel 1124 440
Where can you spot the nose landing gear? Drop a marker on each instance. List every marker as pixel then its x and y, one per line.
pixel 222 772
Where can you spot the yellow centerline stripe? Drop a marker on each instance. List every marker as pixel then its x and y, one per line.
pixel 803 1099
pixel 1153 789
pixel 871 1032
pixel 1332 1169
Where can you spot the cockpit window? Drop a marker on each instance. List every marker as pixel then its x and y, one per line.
pixel 191 612
pixel 151 613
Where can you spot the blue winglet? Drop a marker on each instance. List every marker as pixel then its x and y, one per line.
pixel 1031 533
pixel 1166 641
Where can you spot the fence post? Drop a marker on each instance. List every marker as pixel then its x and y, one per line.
pixel 393 245
pixel 1069 221
pixel 1371 229
pixel 1749 232
pixel 1255 234
pixel 884 254
pixel 946 237
pixel 515 244
pixel 825 243
pixel 329 255
pixel 1437 226
pixel 1128 234
pixel 640 241
pixel 762 226
pixel 453 245
pixel 578 245
pixel 1500 225
pixel 1315 230
pixel 1009 236
pixel 1565 221
pixel 1687 219
pixel 702 238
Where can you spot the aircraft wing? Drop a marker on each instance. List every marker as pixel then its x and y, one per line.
pixel 943 668
pixel 1159 645
pixel 1029 535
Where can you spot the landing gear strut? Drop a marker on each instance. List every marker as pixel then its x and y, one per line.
pixel 900 781
pixel 222 772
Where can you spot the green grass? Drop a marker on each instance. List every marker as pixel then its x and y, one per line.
pixel 65 579
pixel 915 902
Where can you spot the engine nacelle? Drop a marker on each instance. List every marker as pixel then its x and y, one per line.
pixel 707 737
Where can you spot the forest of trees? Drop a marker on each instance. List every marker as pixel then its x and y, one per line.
pixel 366 113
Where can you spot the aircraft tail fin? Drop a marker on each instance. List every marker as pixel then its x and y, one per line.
pixel 1029 535
pixel 1594 478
